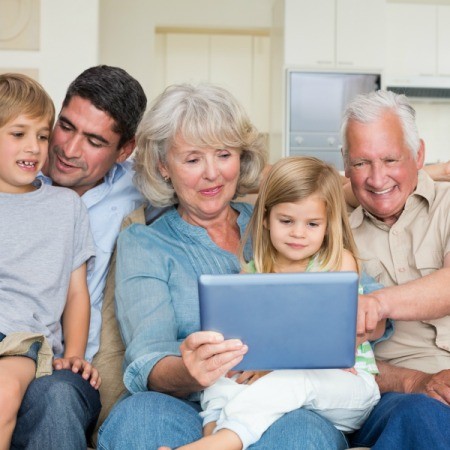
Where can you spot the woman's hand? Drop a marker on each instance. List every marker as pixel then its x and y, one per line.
pixel 208 356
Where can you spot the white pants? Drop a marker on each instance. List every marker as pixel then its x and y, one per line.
pixel 342 397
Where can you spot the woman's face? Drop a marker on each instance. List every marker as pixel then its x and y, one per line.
pixel 204 179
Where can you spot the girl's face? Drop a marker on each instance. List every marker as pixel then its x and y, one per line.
pixel 297 231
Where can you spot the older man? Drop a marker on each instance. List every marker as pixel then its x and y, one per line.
pixel 402 230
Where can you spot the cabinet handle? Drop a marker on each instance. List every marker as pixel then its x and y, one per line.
pixel 325 62
pixel 345 63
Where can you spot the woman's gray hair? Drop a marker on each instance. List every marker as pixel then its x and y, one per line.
pixel 367 108
pixel 205 116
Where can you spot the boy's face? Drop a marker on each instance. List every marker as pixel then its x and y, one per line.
pixel 23 151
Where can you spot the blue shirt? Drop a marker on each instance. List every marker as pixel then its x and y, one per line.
pixel 107 204
pixel 156 287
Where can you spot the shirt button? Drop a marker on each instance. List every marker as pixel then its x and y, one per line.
pixel 113 208
pixel 402 269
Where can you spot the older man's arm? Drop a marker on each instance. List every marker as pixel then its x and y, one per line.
pixel 400 379
pixel 439 171
pixel 426 298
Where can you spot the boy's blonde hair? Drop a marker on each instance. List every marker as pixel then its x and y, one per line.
pixel 20 94
pixel 290 180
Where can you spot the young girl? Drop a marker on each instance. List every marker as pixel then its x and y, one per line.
pixel 45 243
pixel 299 224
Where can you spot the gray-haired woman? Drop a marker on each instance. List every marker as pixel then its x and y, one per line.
pixel 196 150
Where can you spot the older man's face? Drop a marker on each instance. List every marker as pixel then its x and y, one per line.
pixel 381 168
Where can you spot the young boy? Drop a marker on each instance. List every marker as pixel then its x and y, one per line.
pixel 45 244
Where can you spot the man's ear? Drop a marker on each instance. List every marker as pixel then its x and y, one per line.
pixel 126 150
pixel 420 157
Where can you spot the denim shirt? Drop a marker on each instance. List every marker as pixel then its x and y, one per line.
pixel 107 204
pixel 156 287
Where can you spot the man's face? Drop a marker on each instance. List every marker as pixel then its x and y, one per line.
pixel 381 168
pixel 83 146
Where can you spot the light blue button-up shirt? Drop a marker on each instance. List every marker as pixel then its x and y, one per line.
pixel 156 287
pixel 107 204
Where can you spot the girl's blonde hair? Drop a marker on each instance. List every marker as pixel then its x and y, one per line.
pixel 290 180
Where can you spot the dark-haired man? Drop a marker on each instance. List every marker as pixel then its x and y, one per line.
pixel 91 141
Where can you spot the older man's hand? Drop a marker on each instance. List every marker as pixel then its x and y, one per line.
pixel 436 385
pixel 370 312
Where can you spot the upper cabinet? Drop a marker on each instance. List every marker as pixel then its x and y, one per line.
pixel 237 62
pixel 443 38
pixel 343 34
pixel 413 30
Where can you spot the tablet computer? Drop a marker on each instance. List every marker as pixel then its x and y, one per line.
pixel 289 320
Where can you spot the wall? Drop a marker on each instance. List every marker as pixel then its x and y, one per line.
pixel 68 44
pixel 433 122
pixel 127 34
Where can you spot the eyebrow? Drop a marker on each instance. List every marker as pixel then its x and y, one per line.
pixel 98 137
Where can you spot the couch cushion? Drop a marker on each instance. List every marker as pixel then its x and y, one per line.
pixel 109 358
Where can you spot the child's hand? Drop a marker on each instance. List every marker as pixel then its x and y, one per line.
pixel 250 376
pixel 351 370
pixel 78 365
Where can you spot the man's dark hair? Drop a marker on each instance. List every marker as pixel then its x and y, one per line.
pixel 114 91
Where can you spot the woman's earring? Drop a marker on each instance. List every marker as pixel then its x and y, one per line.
pixel 166 179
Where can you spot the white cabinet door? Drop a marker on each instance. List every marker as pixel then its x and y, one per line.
pixel 310 33
pixel 347 34
pixel 231 66
pixel 411 31
pixel 261 83
pixel 239 63
pixel 360 34
pixel 187 58
pixel 443 40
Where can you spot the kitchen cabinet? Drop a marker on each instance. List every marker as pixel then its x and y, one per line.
pixel 413 30
pixel 443 51
pixel 411 39
pixel 309 30
pixel 344 34
pixel 237 62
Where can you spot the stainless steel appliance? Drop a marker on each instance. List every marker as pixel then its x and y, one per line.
pixel 315 104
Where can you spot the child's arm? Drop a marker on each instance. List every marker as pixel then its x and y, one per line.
pixel 75 322
pixel 76 315
pixel 348 262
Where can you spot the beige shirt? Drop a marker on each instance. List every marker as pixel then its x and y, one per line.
pixel 411 248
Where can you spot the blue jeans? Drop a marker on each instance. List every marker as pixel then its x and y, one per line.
pixel 59 411
pixel 147 420
pixel 405 422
